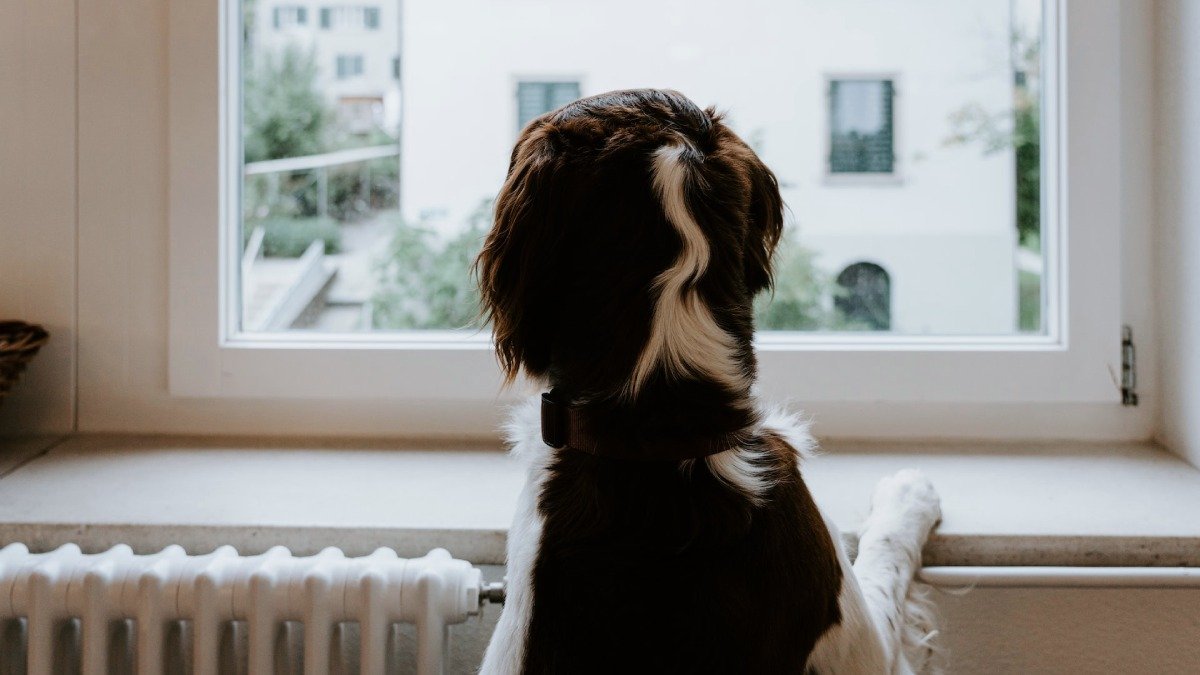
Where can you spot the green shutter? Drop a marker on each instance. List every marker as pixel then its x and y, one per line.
pixel 371 17
pixel 326 17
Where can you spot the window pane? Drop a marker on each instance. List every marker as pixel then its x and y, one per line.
pixel 906 136
pixel 537 98
pixel 860 126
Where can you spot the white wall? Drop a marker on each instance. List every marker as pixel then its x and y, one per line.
pixel 1138 270
pixel 1001 631
pixel 1178 204
pixel 37 205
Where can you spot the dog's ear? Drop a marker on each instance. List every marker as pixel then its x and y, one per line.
pixel 765 226
pixel 516 266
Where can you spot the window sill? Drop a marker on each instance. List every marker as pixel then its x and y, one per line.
pixel 864 179
pixel 1030 504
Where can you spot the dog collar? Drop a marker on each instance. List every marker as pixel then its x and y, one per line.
pixel 563 426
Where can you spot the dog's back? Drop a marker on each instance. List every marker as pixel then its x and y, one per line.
pixel 647 568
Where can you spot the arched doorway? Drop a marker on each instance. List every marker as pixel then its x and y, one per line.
pixel 866 298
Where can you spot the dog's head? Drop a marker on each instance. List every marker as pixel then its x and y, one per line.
pixel 630 237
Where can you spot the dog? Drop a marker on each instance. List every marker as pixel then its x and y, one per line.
pixel 665 526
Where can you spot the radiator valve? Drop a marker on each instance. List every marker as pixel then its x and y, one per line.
pixel 492 592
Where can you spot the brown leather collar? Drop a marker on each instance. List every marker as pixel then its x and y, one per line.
pixel 563 426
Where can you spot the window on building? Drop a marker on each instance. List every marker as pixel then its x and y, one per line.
pixel 538 98
pixel 352 17
pixel 288 16
pixel 864 297
pixel 349 65
pixel 862 126
pixel 371 18
pixel 360 114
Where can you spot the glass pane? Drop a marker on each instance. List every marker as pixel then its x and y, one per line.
pixel 860 126
pixel 906 136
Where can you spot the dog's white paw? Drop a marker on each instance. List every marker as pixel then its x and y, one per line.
pixel 909 498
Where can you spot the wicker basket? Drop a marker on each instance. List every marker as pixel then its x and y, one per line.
pixel 19 342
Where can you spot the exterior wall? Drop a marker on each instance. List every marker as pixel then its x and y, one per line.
pixel 944 224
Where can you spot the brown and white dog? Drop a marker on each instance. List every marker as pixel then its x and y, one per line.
pixel 665 527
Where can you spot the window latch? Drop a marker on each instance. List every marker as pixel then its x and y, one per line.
pixel 1129 395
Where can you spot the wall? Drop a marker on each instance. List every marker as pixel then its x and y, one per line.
pixel 123 299
pixel 1178 204
pixel 37 194
pixel 995 631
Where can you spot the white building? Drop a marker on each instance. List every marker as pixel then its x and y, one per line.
pixel 847 100
pixel 357 48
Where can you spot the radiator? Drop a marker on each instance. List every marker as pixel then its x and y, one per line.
pixel 171 612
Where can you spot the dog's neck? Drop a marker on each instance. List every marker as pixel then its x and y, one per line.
pixel 664 412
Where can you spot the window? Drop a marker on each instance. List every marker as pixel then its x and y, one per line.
pixel 974 193
pixel 537 98
pixel 861 126
pixel 361 17
pixel 361 115
pixel 349 65
pixel 865 296
pixel 288 16
pixel 972 239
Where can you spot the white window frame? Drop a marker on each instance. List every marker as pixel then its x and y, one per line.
pixel 1072 364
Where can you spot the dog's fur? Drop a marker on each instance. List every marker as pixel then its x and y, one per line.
pixel 630 238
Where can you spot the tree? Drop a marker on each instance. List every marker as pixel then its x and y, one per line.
pixel 285 113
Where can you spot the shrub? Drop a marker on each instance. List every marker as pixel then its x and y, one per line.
pixel 291 237
pixel 424 284
pixel 799 299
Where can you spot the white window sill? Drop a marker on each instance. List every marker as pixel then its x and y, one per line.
pixel 1030 504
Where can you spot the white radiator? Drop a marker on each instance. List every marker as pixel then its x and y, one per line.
pixel 171 612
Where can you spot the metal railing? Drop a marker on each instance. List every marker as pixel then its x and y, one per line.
pixel 320 165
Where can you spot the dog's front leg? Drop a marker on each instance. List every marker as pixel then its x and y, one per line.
pixel 904 508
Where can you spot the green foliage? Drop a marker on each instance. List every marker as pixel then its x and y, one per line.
pixel 423 283
pixel 285 112
pixel 1028 148
pixel 291 237
pixel 800 298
